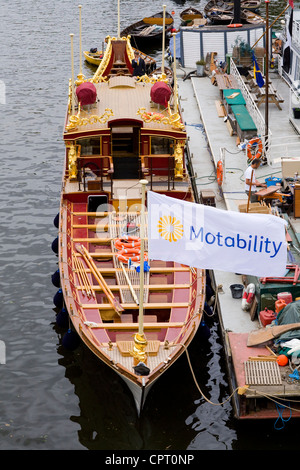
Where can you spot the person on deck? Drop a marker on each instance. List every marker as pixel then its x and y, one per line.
pixel 138 64
pixel 250 179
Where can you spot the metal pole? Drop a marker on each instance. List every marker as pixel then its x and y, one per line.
pixel 118 19
pixel 163 40
pixel 72 62
pixel 80 52
pixel 267 79
pixel 142 235
pixel 175 76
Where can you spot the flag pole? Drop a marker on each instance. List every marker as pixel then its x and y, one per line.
pixel 140 342
pixel 142 234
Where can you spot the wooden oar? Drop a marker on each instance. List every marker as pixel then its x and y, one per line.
pixel 266 334
pixel 86 279
pixel 89 260
pixel 249 195
pixel 130 285
pixel 159 21
pixel 80 276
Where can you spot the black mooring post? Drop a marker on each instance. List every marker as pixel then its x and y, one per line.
pixel 237 11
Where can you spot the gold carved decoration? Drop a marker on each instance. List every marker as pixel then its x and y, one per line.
pixel 73 155
pixel 138 352
pixel 174 120
pixel 77 121
pixel 178 157
pixel 158 78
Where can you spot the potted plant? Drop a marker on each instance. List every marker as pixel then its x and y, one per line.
pixel 296 112
pixel 200 67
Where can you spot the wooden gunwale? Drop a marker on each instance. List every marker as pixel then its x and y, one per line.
pixel 131 306
pixel 134 326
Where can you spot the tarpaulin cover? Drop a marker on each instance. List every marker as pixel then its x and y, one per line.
pixel 160 93
pixel 289 314
pixel 86 93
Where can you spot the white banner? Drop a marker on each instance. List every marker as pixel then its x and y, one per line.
pixel 208 238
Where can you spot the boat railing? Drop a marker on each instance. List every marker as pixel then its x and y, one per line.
pixel 252 108
pixel 284 147
pixel 161 166
pixel 100 165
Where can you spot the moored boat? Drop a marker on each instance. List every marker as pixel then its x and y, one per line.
pixel 190 14
pixel 257 325
pixel 136 315
pixel 95 58
pixel 149 29
pixel 252 5
pixel 220 12
pixel 250 17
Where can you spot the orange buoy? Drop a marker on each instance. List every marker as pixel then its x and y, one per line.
pixel 129 248
pixel 234 25
pixel 282 360
pixel 254 148
pixel 219 173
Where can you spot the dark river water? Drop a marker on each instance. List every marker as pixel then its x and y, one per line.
pixel 50 398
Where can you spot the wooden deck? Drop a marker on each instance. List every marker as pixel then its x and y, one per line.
pixel 121 98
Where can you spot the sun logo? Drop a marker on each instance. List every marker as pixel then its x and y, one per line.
pixel 170 228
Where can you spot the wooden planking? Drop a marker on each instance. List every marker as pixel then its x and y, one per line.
pixel 220 108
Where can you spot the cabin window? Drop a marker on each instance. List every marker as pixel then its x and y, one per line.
pixel 91 146
pixel 161 145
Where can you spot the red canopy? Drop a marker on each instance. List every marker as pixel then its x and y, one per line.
pixel 86 93
pixel 160 93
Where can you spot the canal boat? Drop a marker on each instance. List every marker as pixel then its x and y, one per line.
pixel 122 139
pixel 149 30
pixel 258 324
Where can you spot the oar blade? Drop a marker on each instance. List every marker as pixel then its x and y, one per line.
pixel 266 334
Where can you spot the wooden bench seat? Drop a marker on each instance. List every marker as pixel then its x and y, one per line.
pixel 125 347
pixel 246 127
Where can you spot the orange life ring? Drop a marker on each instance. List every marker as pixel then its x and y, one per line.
pixel 256 145
pixel 129 248
pixel 234 25
pixel 219 173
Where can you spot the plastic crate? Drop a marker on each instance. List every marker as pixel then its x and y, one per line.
pixel 272 181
